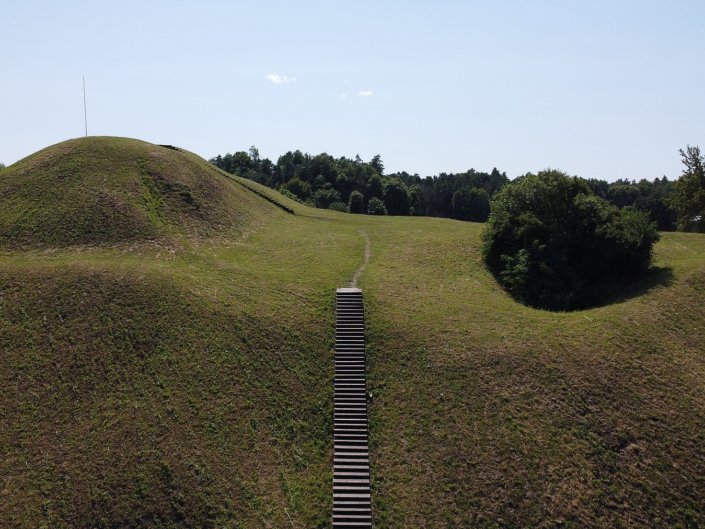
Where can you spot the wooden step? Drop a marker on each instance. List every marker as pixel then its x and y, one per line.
pixel 351 470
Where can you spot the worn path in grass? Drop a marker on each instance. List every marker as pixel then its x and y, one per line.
pixel 365 260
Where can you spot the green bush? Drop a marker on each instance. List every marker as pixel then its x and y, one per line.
pixel 339 206
pixel 356 202
pixel 325 197
pixel 376 207
pixel 553 244
pixel 298 187
pixel 284 191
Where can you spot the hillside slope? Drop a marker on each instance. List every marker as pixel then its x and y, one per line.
pixel 101 190
pixel 190 384
pixel 486 413
pixel 180 388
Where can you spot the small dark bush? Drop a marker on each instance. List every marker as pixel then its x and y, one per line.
pixel 553 244
pixel 339 206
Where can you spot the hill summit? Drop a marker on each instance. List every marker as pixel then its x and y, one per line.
pixel 100 190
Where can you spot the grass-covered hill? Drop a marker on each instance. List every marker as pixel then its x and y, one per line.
pixel 104 190
pixel 189 383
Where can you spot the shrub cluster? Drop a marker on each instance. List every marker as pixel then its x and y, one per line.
pixel 553 244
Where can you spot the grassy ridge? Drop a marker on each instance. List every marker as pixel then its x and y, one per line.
pixel 187 382
pixel 102 190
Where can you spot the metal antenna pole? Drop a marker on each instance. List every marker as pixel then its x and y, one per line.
pixel 85 113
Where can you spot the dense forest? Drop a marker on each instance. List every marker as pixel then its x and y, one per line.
pixel 357 186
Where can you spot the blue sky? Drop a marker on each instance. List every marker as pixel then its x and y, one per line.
pixel 601 89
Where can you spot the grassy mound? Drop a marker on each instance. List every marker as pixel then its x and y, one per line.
pixel 104 190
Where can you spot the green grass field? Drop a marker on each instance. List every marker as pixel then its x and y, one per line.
pixel 170 366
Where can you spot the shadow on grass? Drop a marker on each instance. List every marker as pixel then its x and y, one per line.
pixel 654 277
pixel 616 292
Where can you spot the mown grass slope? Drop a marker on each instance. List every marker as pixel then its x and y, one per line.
pixel 184 379
pixel 486 413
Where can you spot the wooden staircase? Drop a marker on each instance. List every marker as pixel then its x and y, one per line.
pixel 351 462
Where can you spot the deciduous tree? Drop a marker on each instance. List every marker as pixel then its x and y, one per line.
pixel 376 207
pixel 299 188
pixel 375 188
pixel 688 195
pixel 553 244
pixel 356 203
pixel 471 204
pixel 396 197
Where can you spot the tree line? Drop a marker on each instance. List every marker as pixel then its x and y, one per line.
pixel 357 186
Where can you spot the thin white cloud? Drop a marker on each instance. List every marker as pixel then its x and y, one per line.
pixel 343 96
pixel 365 93
pixel 276 78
